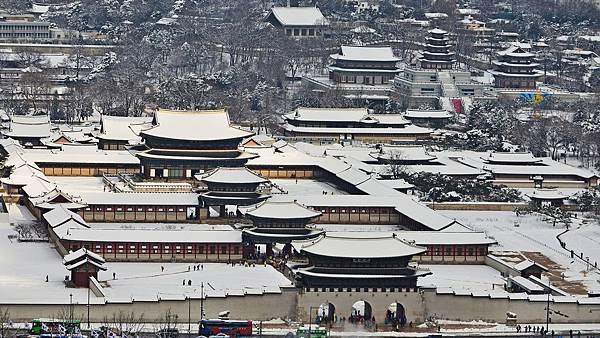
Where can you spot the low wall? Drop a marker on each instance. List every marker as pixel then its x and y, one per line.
pixel 427 303
pixel 476 206
pixel 257 307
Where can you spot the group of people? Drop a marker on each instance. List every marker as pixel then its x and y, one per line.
pixel 534 329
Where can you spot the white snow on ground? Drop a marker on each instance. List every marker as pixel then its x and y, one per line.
pixel 585 238
pixel 147 281
pixel 306 187
pixel 331 228
pixel 532 234
pixel 19 214
pixel 75 185
pixel 24 267
pixel 466 277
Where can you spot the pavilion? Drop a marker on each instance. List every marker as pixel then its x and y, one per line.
pixel 280 222
pixel 83 265
pixel 351 262
pixel 547 197
pixel 181 144
pixel 232 186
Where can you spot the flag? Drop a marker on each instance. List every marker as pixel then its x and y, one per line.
pixel 61 329
pixel 44 327
pixel 95 334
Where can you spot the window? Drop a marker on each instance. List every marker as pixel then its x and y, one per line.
pixel 223 249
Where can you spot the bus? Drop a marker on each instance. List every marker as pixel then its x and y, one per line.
pixel 44 325
pixel 232 328
pixel 315 332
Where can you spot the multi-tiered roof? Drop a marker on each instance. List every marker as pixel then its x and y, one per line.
pixel 356 261
pixel 437 54
pixel 186 142
pixel 281 222
pixel 515 68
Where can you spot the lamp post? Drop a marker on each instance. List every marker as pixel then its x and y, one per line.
pixel 70 308
pixel 88 307
pixel 189 315
pixel 201 301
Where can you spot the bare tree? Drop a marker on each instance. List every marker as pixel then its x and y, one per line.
pixel 5 322
pixel 396 166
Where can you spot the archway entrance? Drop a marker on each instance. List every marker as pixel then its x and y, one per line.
pixel 362 312
pixel 396 315
pixel 326 314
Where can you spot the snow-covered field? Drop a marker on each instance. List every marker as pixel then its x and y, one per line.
pixel 536 235
pixel 465 277
pixel 147 280
pixel 74 185
pixel 24 267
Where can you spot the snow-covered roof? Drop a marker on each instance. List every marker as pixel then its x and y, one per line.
pixel 85 261
pixel 404 153
pixel 328 114
pixel 152 235
pixel 362 53
pixel 30 119
pixel 80 254
pixel 60 215
pixel 526 284
pixel 427 114
pixel 362 30
pixel 29 126
pixel 227 175
pixel 397 184
pixel 503 157
pixel 445 238
pixel 437 31
pixel 380 192
pixel 515 51
pixel 122 128
pixel 435 15
pixel 80 154
pixel 358 247
pixel 282 210
pixel 526 264
pixel 547 194
pixel 298 16
pixel 208 125
pixel 140 198
pixel 409 129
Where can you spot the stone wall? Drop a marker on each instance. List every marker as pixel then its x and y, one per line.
pixel 427 303
pixel 256 307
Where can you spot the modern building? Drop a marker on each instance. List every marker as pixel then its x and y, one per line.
pixel 435 81
pixel 347 263
pixel 298 22
pixel 23 28
pixel 340 125
pixel 359 72
pixel 515 68
pixel 181 144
